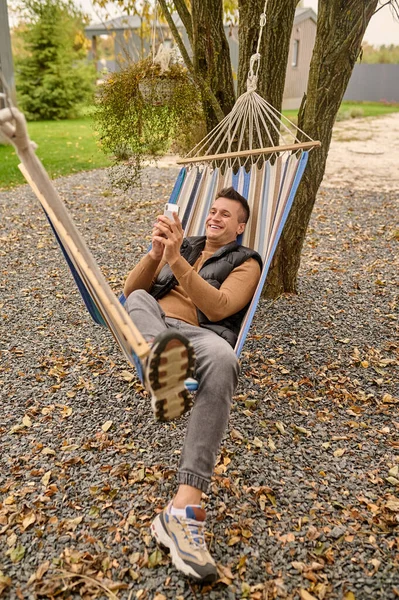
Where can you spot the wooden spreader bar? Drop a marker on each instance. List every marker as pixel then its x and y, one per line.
pixel 271 150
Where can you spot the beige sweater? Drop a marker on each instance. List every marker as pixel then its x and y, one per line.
pixel 193 292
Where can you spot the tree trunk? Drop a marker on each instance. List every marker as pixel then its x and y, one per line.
pixel 274 47
pixel 340 29
pixel 212 56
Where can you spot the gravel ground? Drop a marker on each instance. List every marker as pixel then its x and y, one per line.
pixel 305 499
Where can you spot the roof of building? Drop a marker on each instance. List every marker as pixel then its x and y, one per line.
pixel 122 23
pixel 134 22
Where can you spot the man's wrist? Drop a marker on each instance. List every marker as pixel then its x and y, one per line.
pixel 154 256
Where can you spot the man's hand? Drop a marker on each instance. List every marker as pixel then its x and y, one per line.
pixel 170 235
pixel 157 247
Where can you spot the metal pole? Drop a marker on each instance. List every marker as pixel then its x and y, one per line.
pixel 6 62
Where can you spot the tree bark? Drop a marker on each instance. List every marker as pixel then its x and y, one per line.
pixel 341 25
pixel 212 56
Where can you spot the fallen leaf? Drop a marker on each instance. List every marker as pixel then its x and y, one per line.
pixel 233 540
pixel 48 451
pixel 271 444
pixel 257 442
pixel 393 505
pixel 106 426
pixel 280 427
pixel 155 558
pixel 71 524
pixel 339 452
pixel 28 520
pixel 127 376
pixel 42 569
pixel 305 595
pixel 26 421
pixel 66 411
pixel 17 553
pixel 5 582
pixel 46 478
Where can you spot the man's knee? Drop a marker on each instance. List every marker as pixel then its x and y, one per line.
pixel 223 359
pixel 137 298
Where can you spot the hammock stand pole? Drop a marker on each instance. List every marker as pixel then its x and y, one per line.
pixel 253 152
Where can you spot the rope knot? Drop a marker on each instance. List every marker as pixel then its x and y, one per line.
pixel 252 83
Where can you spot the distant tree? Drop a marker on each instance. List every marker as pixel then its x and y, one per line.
pixel 52 74
pixel 382 54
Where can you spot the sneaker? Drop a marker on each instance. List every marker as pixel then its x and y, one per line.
pixel 170 362
pixel 184 536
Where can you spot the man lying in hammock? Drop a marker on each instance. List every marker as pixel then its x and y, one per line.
pixel 189 296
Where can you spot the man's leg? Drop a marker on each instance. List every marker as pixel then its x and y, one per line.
pixel 217 370
pixel 180 526
pixel 146 314
pixel 171 359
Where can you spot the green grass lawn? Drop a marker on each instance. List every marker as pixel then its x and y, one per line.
pixel 64 147
pixel 352 110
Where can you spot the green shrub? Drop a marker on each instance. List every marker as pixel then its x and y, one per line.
pixel 52 75
pixel 137 127
pixel 356 113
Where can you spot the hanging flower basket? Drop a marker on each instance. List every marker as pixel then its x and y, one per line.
pixel 156 90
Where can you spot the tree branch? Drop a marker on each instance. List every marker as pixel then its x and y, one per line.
pixel 185 16
pixel 394 4
pixel 204 87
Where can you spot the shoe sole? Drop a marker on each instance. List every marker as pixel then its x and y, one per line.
pixel 171 362
pixel 162 538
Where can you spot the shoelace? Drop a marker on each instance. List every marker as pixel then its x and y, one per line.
pixel 196 533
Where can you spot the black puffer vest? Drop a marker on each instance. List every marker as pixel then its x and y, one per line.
pixel 214 270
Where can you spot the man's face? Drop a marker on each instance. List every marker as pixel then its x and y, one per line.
pixel 224 221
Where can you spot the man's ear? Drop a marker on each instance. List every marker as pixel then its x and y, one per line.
pixel 241 228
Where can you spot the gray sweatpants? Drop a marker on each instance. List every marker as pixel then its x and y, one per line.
pixel 217 374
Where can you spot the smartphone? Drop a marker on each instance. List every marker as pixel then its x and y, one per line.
pixel 170 209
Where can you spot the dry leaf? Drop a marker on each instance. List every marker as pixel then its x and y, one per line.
pixel 28 520
pixel 280 427
pixel 26 421
pixel 339 452
pixel 271 444
pixel 106 426
pixel 5 582
pixel 42 569
pixel 233 540
pixel 393 505
pixel 305 595
pixel 66 411
pixel 48 451
pixel 257 442
pixel 46 478
pixel 127 376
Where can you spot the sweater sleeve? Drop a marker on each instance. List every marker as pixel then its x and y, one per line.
pixel 142 275
pixel 216 304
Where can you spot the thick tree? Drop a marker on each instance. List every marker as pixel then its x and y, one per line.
pixel 341 25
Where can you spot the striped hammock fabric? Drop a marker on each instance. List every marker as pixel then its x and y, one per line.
pixel 270 190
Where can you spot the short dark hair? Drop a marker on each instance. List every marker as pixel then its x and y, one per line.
pixel 231 194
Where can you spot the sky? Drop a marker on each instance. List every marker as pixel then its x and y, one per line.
pixel 382 29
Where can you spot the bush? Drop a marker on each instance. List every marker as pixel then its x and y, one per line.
pixel 136 127
pixel 53 77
